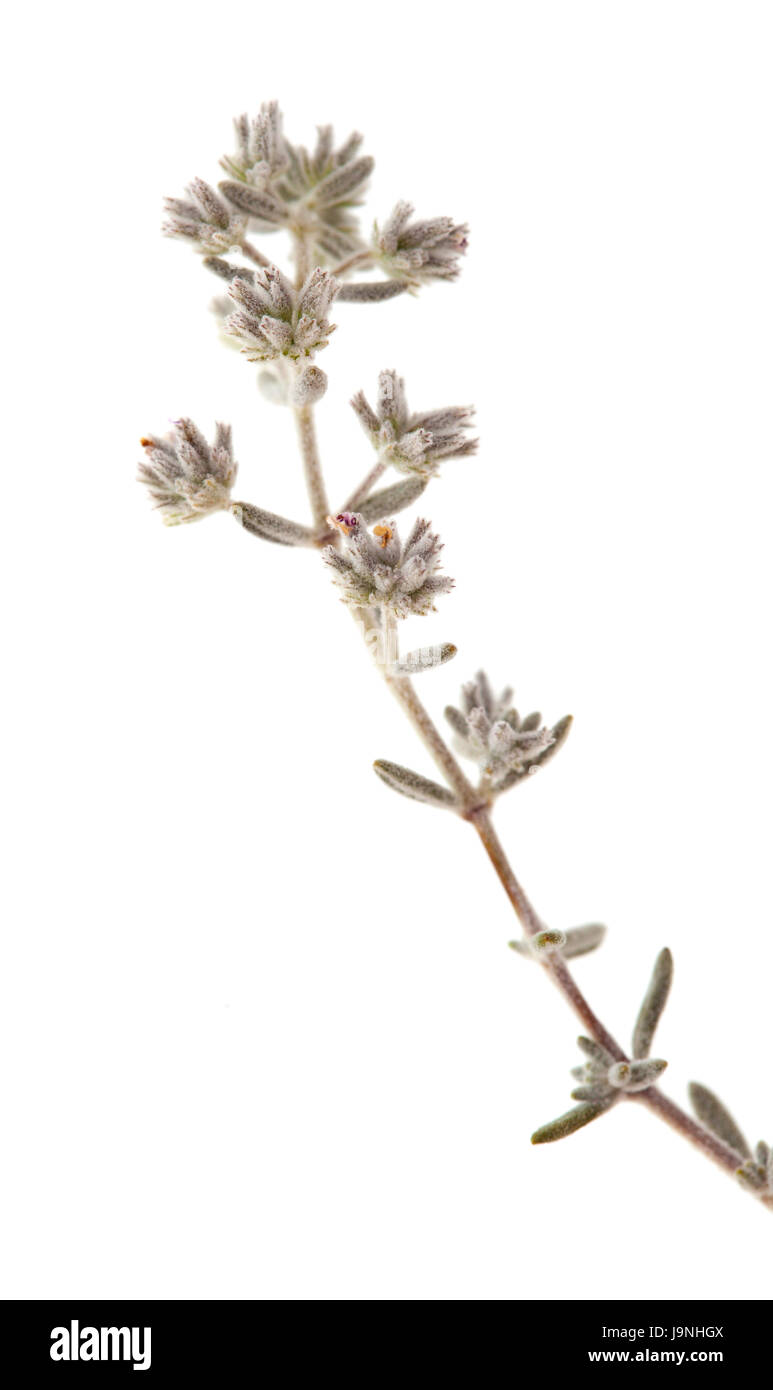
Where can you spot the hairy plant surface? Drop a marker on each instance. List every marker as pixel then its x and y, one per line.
pixel 281 320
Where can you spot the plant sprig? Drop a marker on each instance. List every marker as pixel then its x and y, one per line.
pixel 281 320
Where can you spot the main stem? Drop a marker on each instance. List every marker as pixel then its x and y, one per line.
pixel 315 483
pixel 477 810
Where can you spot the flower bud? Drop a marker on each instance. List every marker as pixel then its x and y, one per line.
pixel 308 387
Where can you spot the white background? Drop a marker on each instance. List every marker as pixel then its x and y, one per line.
pixel 261 1035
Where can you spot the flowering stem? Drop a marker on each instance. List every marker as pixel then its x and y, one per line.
pixel 253 254
pixel 315 483
pixel 359 258
pixel 365 488
pixel 475 807
pixel 302 252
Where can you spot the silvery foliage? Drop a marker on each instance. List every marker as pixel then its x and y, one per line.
pixel 186 477
pixel 418 252
pixel 605 1079
pixel 413 443
pixel 383 572
pixel 275 320
pixel 490 731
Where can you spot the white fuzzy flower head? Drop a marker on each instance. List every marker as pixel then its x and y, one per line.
pixel 205 219
pixel 418 252
pixel 377 570
pixel 314 192
pixel 492 733
pixel 410 442
pixel 274 320
pixel 186 477
pixel 261 149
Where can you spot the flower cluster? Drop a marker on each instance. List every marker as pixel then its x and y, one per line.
pixel 187 477
pixel 205 219
pixel 413 443
pixel 275 320
pixel 492 733
pixel 378 570
pixel 281 184
pixel 261 149
pixel 418 252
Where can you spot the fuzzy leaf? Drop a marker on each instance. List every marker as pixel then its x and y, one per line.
pixel 224 269
pixel 750 1177
pixel 638 1075
pixel 544 943
pixel 581 940
pixel 653 1004
pixel 254 201
pixel 594 1090
pixel 567 1124
pixel 424 659
pixel 413 785
pixel 391 500
pixel 595 1051
pixel 522 947
pixel 712 1113
pixel 271 527
pixel 370 291
pixel 560 732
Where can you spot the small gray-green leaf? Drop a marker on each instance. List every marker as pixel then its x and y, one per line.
pixel 567 1124
pixel 370 291
pixel 270 527
pixel 595 1051
pixel 712 1113
pixel 254 201
pixel 560 732
pixel 390 500
pixel 520 946
pixel 638 1075
pixel 224 269
pixel 424 659
pixel 581 940
pixel 750 1177
pixel 653 1004
pixel 593 1090
pixel 413 785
